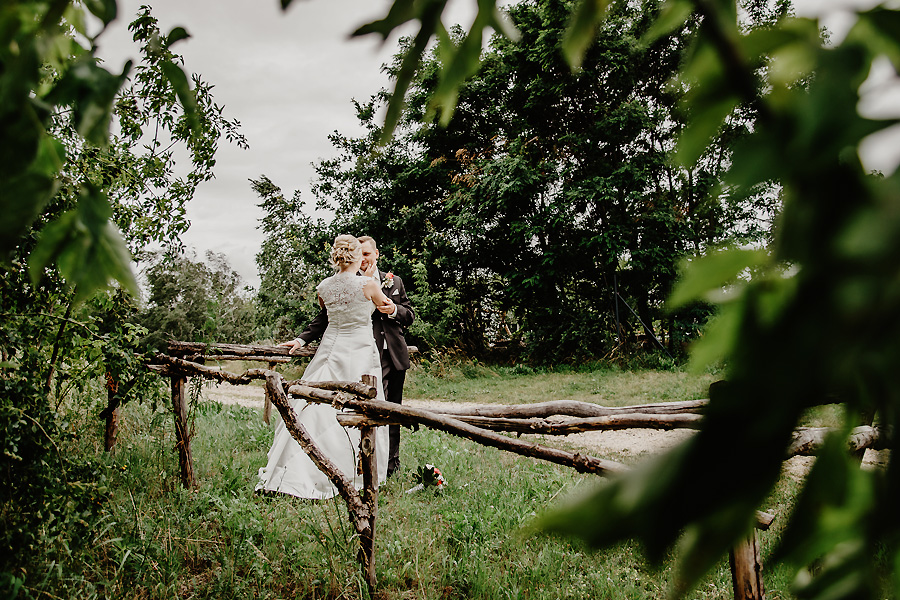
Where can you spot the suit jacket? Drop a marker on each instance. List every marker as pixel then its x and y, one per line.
pixel 385 329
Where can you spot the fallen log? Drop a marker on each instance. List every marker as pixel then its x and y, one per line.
pixel 379 409
pixel 807 441
pixel 573 408
pixel 237 350
pixel 191 368
pixel 548 427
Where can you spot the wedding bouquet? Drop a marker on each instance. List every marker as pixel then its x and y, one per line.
pixel 428 476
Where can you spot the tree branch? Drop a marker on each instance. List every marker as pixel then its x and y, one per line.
pixel 358 509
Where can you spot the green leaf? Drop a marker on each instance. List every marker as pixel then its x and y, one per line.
pixel 24 196
pixel 400 13
pixel 461 62
pixel 20 132
pixel 711 273
pixel 879 29
pixel 87 248
pixel 77 18
pixel 176 76
pixel 790 59
pixel 176 35
pixel 23 199
pixel 430 19
pixel 91 90
pixel 105 10
pixel 673 15
pixel 719 337
pixel 582 29
pixel 704 542
pixel 708 115
pixel 53 238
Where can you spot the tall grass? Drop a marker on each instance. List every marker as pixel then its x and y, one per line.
pixel 157 540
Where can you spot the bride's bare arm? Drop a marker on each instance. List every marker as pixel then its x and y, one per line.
pixel 373 292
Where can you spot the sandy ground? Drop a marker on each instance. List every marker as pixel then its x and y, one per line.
pixel 615 445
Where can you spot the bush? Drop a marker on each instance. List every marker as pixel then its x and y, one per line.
pixel 53 498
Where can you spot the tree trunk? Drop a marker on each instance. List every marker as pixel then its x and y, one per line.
pixel 112 429
pixel 112 413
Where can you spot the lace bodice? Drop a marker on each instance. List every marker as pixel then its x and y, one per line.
pixel 344 298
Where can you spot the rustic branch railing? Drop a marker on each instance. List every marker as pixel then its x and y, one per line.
pixel 481 424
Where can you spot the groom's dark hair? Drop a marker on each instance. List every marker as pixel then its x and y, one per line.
pixel 367 238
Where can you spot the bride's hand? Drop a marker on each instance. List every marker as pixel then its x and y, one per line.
pixel 294 345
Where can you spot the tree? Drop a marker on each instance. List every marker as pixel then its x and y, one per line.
pixel 292 260
pixel 546 186
pixel 55 98
pixel 195 301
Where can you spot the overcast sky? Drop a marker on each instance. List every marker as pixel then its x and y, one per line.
pixel 289 78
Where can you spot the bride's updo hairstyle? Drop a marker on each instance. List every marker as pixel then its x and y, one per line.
pixel 346 250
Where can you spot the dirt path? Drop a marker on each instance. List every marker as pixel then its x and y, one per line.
pixel 623 444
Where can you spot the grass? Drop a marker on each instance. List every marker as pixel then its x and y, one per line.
pixel 521 385
pixel 156 540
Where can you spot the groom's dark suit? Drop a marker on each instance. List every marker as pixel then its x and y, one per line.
pixel 389 338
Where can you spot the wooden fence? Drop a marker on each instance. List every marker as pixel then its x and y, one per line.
pixel 484 425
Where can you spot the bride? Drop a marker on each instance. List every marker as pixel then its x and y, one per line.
pixel 347 351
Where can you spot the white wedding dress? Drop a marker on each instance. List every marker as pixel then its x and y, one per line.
pixel 346 352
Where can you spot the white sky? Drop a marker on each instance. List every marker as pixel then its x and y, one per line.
pixel 289 78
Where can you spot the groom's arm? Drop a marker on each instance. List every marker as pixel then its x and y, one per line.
pixel 316 327
pixel 404 314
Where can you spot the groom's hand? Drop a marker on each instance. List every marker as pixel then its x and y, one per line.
pixel 388 308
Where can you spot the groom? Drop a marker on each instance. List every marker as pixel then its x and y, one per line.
pixel 388 323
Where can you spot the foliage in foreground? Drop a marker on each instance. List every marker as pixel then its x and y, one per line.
pixel 816 322
pixel 75 200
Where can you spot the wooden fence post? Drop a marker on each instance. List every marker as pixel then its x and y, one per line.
pixel 368 456
pixel 267 408
pixel 182 434
pixel 746 570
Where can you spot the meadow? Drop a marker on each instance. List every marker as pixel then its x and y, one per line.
pixel 472 540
